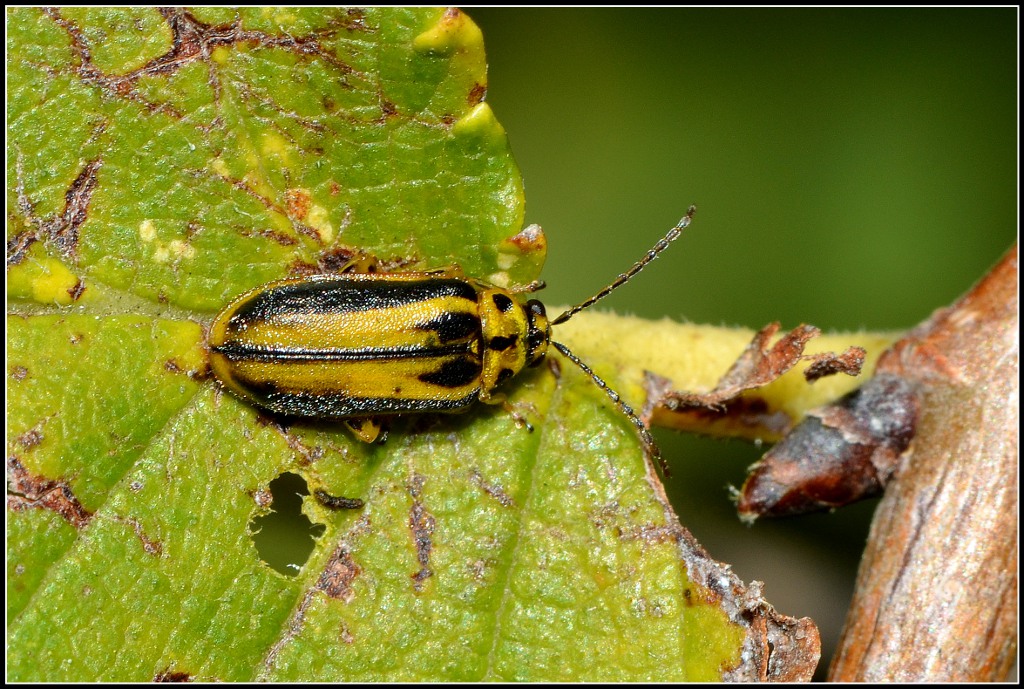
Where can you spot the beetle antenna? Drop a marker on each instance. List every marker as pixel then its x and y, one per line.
pixel 645 435
pixel 672 235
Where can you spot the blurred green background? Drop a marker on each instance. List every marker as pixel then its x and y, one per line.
pixel 853 168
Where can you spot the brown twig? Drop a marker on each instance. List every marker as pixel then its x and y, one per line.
pixel 936 593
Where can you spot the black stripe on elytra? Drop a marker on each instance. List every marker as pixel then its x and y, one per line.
pixel 337 405
pixel 237 351
pixel 340 295
pixel 500 343
pixel 453 325
pixel 454 373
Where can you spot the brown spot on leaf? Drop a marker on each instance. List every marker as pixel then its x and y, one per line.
pixel 61 229
pixel 297 203
pixel 307 454
pixel 421 523
pixel 18 245
pixel 276 236
pixel 263 498
pixel 192 41
pixel 356 19
pixel 530 239
pixel 76 291
pixel 651 534
pixel 479 568
pixel 169 675
pixel 494 491
pixel 388 109
pixel 476 94
pixel 150 545
pixel 338 575
pixel 271 204
pixel 29 491
pixel 335 259
pixel 30 438
pixel 18 372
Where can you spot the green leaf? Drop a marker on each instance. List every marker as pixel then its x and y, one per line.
pixel 162 162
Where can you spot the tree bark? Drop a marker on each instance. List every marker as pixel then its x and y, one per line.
pixel 936 593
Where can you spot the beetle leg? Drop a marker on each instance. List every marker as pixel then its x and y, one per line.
pixel 528 288
pixel 366 428
pixel 488 397
pixel 517 418
pixel 502 399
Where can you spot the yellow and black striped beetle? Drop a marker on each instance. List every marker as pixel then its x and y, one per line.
pixel 360 346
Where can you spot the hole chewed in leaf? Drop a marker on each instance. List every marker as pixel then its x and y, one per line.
pixel 285 537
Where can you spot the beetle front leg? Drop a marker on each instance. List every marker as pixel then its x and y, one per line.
pixel 502 399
